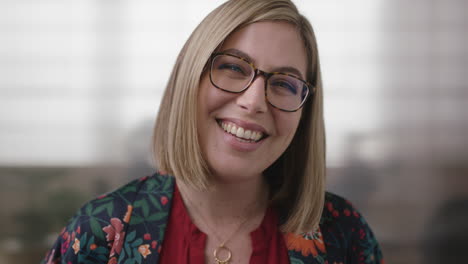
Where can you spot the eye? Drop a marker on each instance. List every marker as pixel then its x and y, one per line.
pixel 284 87
pixel 235 68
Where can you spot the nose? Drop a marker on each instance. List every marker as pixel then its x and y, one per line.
pixel 253 99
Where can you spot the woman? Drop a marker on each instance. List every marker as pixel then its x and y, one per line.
pixel 240 136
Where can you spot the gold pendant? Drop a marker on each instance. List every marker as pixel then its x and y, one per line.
pixel 224 261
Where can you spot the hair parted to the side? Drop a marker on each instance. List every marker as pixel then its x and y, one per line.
pixel 297 178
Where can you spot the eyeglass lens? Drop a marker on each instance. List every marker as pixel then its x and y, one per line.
pixel 235 75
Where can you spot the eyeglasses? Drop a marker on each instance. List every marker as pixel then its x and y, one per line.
pixel 235 74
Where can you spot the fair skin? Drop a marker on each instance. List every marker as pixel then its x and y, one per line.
pixel 239 191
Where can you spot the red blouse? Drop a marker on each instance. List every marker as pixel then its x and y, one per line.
pixel 185 243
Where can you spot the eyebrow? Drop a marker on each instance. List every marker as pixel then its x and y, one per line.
pixel 285 69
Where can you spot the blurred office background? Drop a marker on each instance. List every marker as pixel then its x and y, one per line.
pixel 81 82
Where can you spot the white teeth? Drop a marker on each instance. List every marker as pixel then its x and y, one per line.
pixel 258 137
pixel 253 135
pixel 233 130
pixel 241 132
pixel 247 134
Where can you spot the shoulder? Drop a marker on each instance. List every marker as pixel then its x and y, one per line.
pixel 346 232
pixel 337 207
pixel 97 230
pixel 121 202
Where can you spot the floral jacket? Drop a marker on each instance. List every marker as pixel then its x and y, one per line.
pixel 127 227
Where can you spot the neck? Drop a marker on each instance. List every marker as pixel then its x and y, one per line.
pixel 227 203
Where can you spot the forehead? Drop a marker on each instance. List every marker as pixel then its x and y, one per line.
pixel 270 45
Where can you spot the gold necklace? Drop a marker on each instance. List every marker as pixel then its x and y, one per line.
pixel 222 246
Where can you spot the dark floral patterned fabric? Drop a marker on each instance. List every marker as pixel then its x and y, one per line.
pixel 127 227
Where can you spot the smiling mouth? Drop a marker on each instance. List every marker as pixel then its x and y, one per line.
pixel 242 134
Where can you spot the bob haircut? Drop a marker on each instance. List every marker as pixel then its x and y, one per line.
pixel 297 177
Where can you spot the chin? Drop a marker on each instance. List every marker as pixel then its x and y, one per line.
pixel 228 173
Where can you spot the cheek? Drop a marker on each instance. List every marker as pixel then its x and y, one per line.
pixel 202 93
pixel 214 100
pixel 287 124
pixel 206 99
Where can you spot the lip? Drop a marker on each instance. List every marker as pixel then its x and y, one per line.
pixel 238 145
pixel 234 142
pixel 245 125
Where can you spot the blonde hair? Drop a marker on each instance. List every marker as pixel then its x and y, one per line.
pixel 297 178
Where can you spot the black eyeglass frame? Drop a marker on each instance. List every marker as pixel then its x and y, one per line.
pixel 267 75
